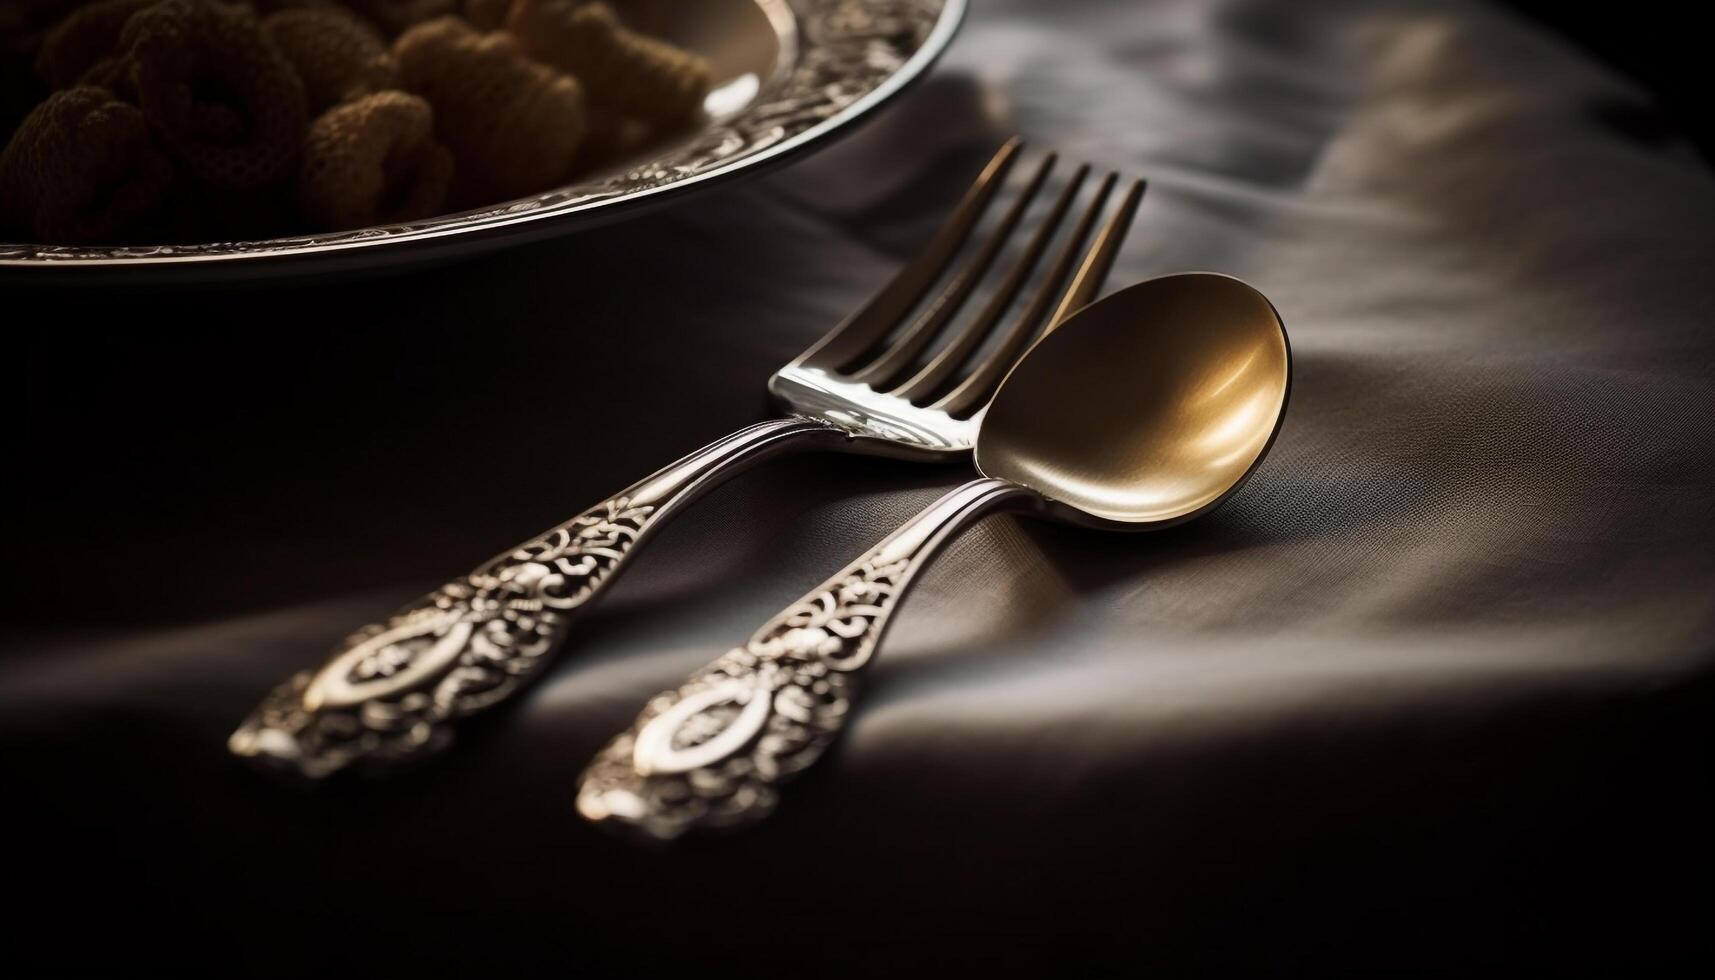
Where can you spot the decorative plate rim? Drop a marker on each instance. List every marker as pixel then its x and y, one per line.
pixel 872 48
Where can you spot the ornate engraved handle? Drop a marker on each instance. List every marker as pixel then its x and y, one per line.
pixel 393 691
pixel 711 753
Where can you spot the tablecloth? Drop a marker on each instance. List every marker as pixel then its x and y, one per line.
pixel 1430 696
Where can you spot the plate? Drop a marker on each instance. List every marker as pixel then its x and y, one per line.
pixel 788 75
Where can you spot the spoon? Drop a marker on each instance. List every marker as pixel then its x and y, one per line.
pixel 1143 410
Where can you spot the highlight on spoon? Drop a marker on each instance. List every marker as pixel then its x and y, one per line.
pixel 1206 372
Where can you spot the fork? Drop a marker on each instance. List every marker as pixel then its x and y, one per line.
pixel 394 692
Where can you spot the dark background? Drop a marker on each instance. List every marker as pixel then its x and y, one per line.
pixel 1649 42
pixel 213 444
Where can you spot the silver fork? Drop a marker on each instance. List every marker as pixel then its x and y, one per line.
pixel 393 692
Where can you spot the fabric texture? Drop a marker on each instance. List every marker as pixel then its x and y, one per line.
pixel 1429 696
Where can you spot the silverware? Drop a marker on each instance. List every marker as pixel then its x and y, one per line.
pixel 1143 410
pixel 394 691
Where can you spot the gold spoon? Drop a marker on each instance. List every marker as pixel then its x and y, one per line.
pixel 1143 410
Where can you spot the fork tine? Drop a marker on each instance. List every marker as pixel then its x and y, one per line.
pixel 883 312
pixel 1100 259
pixel 977 387
pixel 928 325
pixel 971 335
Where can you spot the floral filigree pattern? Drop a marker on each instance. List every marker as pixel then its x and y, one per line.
pixel 711 753
pixel 391 691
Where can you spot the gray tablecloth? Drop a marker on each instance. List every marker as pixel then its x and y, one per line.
pixel 1430 695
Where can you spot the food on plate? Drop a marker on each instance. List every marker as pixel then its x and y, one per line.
pixel 217 95
pixel 374 159
pixel 513 125
pixel 162 121
pixel 629 72
pixel 82 167
pixel 338 56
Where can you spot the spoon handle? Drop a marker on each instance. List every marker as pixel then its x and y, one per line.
pixel 710 753
pixel 393 691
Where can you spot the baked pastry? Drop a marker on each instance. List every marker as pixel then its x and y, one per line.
pixel 397 16
pixel 85 39
pixel 224 101
pixel 82 169
pixel 338 56
pixel 200 120
pixel 513 125
pixel 373 160
pixel 631 73
pixel 486 15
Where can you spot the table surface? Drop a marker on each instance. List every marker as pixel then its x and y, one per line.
pixel 1431 694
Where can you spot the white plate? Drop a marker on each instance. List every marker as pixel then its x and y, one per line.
pixel 788 74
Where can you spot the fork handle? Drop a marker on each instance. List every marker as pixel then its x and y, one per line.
pixel 711 753
pixel 393 691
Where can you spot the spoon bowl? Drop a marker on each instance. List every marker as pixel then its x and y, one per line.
pixel 1146 408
